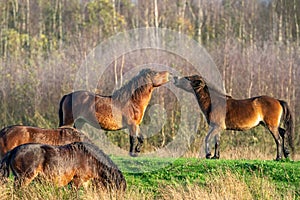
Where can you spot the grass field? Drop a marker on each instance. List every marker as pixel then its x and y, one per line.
pixel 183 178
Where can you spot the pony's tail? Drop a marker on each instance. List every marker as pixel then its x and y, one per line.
pixel 4 167
pixel 288 124
pixel 60 111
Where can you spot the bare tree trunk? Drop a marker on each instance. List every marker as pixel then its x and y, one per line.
pixel 181 11
pixel 15 10
pixel 28 27
pixel 199 21
pixel 296 22
pixel 155 14
pixel 116 72
pixel 60 24
pixel 274 21
pixel 242 23
pixel 5 28
pixel 280 23
pixel 121 69
pixel 113 2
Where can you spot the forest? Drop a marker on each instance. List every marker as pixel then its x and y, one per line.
pixel 254 44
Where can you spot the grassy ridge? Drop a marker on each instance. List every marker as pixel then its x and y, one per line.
pixel 156 173
pixel 183 178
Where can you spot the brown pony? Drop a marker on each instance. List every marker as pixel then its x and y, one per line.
pixel 222 112
pixel 123 109
pixel 77 162
pixel 13 136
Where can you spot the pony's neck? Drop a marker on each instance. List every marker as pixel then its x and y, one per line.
pixel 142 95
pixel 204 101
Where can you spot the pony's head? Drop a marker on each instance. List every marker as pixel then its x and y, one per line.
pixel 190 83
pixel 141 84
pixel 157 78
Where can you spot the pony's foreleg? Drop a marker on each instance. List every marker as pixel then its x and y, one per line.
pixel 132 141
pixel 213 131
pixel 133 131
pixel 140 138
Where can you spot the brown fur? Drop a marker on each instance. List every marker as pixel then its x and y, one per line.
pixel 124 109
pixel 13 136
pixel 224 112
pixel 77 162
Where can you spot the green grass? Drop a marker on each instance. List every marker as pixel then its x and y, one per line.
pixel 154 173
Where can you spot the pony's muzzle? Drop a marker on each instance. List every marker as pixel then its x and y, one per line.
pixel 176 80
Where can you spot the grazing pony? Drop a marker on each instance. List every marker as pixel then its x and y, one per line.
pixel 123 109
pixel 222 112
pixel 13 136
pixel 77 162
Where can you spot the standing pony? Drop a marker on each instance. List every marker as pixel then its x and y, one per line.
pixel 13 136
pixel 222 112
pixel 77 162
pixel 123 109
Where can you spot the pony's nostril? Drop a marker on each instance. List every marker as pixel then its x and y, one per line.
pixel 175 78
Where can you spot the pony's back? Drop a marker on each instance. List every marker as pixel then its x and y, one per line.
pixel 13 136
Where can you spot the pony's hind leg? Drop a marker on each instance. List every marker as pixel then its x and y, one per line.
pixel 24 180
pixel 277 138
pixel 217 147
pixel 285 150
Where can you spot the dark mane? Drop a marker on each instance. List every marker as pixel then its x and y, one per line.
pixel 107 171
pixel 135 87
pixel 211 88
pixel 71 130
pixel 93 152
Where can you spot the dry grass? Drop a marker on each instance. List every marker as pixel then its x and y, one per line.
pixel 226 186
pixel 220 185
pixel 45 190
pixel 247 153
pixel 252 148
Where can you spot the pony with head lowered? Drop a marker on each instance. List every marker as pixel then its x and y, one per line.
pixel 123 109
pixel 75 163
pixel 222 112
pixel 13 136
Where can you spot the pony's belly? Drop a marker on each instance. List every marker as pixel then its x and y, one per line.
pixel 110 126
pixel 110 121
pixel 242 124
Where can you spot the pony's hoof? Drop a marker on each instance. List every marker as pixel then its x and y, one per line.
pixel 286 153
pixel 215 157
pixel 278 158
pixel 138 149
pixel 208 156
pixel 133 154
